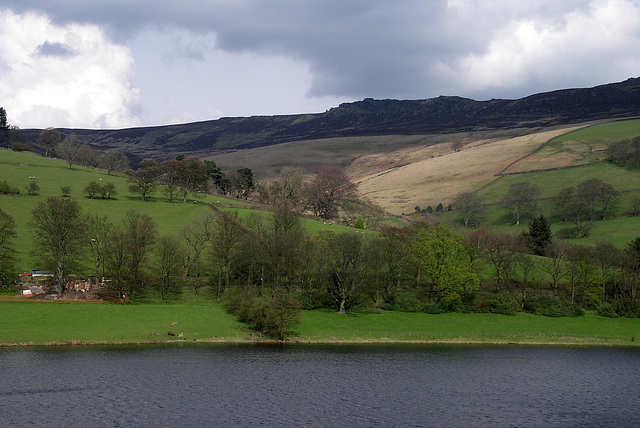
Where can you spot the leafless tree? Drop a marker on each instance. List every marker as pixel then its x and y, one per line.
pixel 328 191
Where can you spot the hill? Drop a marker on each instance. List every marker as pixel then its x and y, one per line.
pixel 369 117
pixel 51 174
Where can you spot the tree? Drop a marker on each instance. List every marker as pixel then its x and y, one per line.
pixel 145 179
pixel 196 235
pixel 113 160
pixel 98 231
pixel 32 187
pixel 49 140
pixel 59 235
pixel 242 182
pixel 220 180
pixel 107 190
pixel 554 264
pixel 579 212
pixel 282 238
pixel 597 194
pixel 328 191
pixel 607 199
pixel 470 207
pixel 635 204
pixel 633 263
pixel 192 176
pixel 562 201
pixel 393 249
pixel 521 199
pixel 70 149
pixel 92 189
pixel 346 269
pixel 539 235
pixel 4 127
pixel 498 250
pixel 7 249
pixel 445 260
pixel 282 313
pixel 169 264
pixel 225 240
pixel 126 254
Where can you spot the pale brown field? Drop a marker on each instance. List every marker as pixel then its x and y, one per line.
pixel 430 175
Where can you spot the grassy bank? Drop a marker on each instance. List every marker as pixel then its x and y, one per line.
pixel 37 323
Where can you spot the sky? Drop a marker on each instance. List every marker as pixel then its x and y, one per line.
pixel 123 63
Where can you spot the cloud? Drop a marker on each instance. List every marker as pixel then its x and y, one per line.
pixel 359 48
pixel 597 45
pixel 64 75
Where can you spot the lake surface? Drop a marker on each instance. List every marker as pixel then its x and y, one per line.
pixel 333 386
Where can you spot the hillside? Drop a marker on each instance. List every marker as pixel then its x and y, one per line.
pixel 371 117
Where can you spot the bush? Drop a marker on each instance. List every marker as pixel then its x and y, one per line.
pixel 66 191
pixel 549 306
pixel 402 302
pixel 317 299
pixel 627 308
pixel 606 310
pixel 32 187
pixel 7 189
pixel 502 303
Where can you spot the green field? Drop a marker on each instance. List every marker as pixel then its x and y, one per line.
pixel 202 320
pixel 52 174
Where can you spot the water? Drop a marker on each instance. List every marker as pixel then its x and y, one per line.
pixel 319 386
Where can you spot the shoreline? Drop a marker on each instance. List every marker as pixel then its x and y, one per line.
pixel 570 342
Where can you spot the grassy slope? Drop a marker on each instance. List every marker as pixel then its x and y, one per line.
pixel 586 147
pixel 51 174
pixel 203 320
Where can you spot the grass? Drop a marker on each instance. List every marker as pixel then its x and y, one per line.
pixel 44 322
pixel 51 174
pixel 202 320
pixel 323 326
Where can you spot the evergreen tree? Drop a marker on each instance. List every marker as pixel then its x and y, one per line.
pixel 539 235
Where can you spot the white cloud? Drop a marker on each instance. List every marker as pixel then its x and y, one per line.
pixel 64 75
pixel 596 45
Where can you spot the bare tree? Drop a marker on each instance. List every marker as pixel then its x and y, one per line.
pixel 70 149
pixel 328 191
pixel 49 140
pixel 98 231
pixel 168 267
pixel 196 234
pixel 470 207
pixel 346 269
pixel 521 199
pixel 113 160
pixel 7 249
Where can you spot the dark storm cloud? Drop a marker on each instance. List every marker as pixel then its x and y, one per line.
pixel 354 48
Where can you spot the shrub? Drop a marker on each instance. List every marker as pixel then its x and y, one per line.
pixel 92 189
pixel 501 303
pixel 402 302
pixel 627 308
pixel 32 187
pixel 66 191
pixel 606 310
pixel 7 189
pixel 549 306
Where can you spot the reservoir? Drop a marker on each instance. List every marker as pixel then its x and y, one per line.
pixel 319 386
